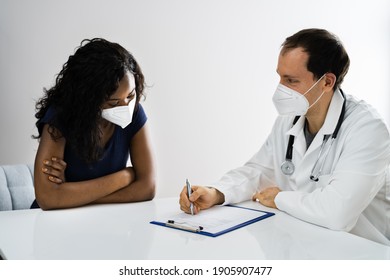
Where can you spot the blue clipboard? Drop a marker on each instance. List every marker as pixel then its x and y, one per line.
pixel 259 215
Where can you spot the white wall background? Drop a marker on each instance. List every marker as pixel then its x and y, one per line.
pixel 210 65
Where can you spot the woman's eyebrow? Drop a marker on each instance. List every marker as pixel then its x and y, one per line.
pixel 119 98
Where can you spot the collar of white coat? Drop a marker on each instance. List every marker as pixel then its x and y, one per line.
pixel 332 117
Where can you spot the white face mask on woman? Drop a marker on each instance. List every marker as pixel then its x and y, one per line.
pixel 290 102
pixel 121 115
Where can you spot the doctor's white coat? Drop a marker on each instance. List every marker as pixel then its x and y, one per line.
pixel 353 192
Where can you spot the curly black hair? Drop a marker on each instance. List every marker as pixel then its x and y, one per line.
pixel 86 81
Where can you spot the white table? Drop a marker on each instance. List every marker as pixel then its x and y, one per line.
pixel 123 231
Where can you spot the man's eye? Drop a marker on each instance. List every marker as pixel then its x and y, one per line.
pixel 292 81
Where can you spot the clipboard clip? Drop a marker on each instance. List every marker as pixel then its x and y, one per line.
pixel 183 226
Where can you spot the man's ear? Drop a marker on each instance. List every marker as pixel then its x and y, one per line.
pixel 330 80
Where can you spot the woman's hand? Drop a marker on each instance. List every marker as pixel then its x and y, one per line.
pixel 55 169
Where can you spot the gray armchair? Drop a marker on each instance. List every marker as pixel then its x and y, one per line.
pixel 16 187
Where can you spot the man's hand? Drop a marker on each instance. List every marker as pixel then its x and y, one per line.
pixel 267 196
pixel 201 197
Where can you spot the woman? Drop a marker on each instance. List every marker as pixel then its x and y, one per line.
pixel 89 123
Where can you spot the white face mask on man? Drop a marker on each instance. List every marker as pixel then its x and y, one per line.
pixel 121 115
pixel 290 102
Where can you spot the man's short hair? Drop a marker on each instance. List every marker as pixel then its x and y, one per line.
pixel 325 50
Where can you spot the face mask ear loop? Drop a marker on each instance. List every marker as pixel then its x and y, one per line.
pixel 314 85
pixel 316 100
pixel 312 88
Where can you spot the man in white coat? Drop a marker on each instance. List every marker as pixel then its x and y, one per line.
pixel 326 160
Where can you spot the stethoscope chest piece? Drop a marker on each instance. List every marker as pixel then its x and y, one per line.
pixel 287 167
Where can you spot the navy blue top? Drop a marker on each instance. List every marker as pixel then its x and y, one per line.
pixel 115 155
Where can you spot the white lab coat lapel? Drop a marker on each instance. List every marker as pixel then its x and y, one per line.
pixel 327 128
pixel 304 159
pixel 330 123
pixel 299 147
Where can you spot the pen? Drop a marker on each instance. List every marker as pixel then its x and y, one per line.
pixel 189 191
pixel 172 224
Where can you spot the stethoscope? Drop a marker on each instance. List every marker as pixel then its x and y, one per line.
pixel 288 166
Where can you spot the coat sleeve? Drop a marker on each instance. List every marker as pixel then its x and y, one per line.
pixel 359 174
